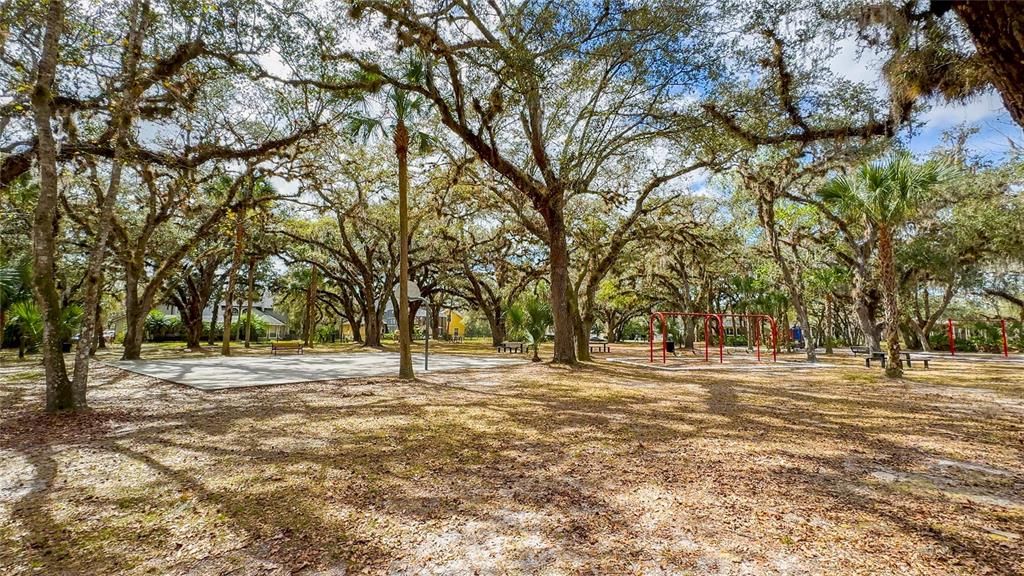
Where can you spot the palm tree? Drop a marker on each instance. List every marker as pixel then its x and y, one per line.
pixel 533 317
pixel 27 320
pixel 15 286
pixel 398 109
pixel 886 195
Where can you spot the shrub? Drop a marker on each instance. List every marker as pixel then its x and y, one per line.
pixel 28 322
pixel 259 327
pixel 737 340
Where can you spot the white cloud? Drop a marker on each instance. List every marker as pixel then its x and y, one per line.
pixel 944 115
pixel 858 65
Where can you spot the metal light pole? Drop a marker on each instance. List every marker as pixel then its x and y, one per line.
pixel 426 339
pixel 414 296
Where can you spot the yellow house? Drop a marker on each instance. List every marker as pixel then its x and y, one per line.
pixel 456 325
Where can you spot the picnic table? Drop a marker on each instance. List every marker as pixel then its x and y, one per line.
pixel 509 347
pixel 598 346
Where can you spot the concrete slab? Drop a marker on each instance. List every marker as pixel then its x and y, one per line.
pixel 220 373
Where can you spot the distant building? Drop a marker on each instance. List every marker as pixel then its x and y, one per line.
pixel 456 324
pixel 262 310
pixel 452 323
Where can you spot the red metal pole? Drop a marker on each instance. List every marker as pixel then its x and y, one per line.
pixel 650 335
pixel 664 339
pixel 721 340
pixel 775 340
pixel 1006 349
pixel 757 338
pixel 951 337
pixel 707 355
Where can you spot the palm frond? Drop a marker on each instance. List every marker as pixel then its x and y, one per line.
pixel 363 127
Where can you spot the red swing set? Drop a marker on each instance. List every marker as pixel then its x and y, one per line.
pixel 951 335
pixel 757 320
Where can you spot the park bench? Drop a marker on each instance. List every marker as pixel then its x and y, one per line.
pixel 599 347
pixel 509 347
pixel 880 357
pixel 860 350
pixel 290 346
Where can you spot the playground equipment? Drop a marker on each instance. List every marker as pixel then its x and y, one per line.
pixel 757 320
pixel 951 336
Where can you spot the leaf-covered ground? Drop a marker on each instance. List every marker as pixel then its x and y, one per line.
pixel 607 469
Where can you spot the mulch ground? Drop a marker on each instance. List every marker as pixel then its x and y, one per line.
pixel 606 469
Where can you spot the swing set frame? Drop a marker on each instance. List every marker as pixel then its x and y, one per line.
pixel 756 319
pixel 951 336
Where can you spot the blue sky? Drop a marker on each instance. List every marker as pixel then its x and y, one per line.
pixel 986 112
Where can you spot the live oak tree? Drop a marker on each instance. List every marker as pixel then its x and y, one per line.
pixel 253 200
pixel 495 264
pixel 355 241
pixel 624 213
pixel 627 292
pixel 546 95
pixel 950 50
pixel 798 121
pixel 192 287
pixel 163 72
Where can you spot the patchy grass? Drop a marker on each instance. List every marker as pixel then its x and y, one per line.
pixel 608 469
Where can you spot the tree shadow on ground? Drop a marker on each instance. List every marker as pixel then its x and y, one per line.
pixel 380 475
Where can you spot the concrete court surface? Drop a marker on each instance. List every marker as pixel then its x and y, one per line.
pixel 220 373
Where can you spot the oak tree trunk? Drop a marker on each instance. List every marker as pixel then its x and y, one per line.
pixel 59 394
pixel 554 218
pixel 997 28
pixel 496 320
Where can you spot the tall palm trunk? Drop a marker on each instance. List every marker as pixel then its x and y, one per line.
pixel 308 328
pixel 229 298
pixel 248 295
pixel 893 368
pixel 829 327
pixel 405 371
pixel 212 332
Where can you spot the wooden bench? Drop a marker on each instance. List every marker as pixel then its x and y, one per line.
pixel 286 345
pixel 599 347
pixel 857 350
pixel 509 347
pixel 881 358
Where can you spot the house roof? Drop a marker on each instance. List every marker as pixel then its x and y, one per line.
pixel 265 316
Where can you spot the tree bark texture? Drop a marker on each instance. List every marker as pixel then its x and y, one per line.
pixel 890 296
pixel 59 393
